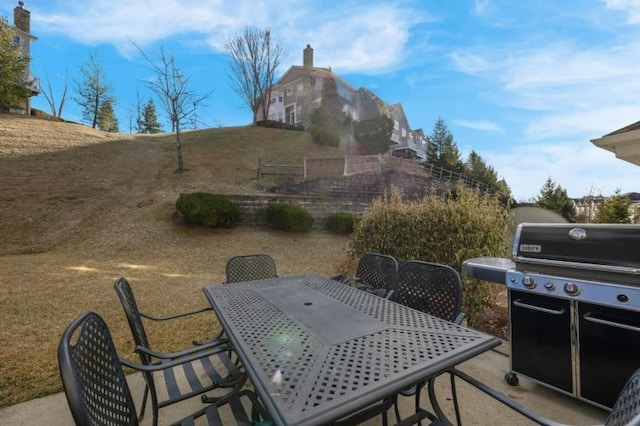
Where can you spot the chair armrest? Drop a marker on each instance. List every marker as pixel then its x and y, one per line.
pixel 499 396
pixel 193 350
pixel 215 339
pixel 174 316
pixel 175 361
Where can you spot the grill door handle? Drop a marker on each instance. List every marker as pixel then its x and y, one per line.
pixel 589 317
pixel 520 304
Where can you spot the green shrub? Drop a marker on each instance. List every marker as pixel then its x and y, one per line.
pixel 324 136
pixel 341 223
pixel 212 210
pixel 446 230
pixel 289 217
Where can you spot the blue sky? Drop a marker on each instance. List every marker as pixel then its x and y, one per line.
pixel 526 84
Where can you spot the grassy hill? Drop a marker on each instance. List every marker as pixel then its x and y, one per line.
pixel 65 179
pixel 79 207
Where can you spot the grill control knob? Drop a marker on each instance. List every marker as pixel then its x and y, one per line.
pixel 549 286
pixel 528 282
pixel 571 289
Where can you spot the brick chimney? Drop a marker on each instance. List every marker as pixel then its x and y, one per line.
pixel 21 18
pixel 307 57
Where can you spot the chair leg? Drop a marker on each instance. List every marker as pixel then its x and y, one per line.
pixel 144 402
pixel 397 410
pixel 455 398
pixel 418 389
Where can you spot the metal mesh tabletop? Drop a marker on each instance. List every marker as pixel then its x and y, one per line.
pixel 317 349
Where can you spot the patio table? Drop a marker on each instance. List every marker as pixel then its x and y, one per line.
pixel 317 350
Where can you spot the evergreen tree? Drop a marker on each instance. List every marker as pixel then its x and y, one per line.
pixel 328 122
pixel 338 120
pixel 150 122
pixel 614 210
pixel 13 90
pixel 374 134
pixel 478 170
pixel 107 120
pixel 554 197
pixel 442 151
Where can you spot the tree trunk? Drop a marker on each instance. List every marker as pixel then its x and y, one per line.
pixel 179 146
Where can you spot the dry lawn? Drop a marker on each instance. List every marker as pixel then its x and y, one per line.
pixel 78 208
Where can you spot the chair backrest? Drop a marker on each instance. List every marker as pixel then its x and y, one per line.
pixel 626 410
pixel 250 267
pixel 92 376
pixel 429 287
pixel 378 271
pixel 128 301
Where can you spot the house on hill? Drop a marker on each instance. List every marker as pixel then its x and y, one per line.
pixel 299 92
pixel 23 40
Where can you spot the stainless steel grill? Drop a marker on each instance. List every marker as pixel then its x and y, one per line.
pixel 574 306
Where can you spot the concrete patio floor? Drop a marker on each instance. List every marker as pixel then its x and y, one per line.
pixel 476 407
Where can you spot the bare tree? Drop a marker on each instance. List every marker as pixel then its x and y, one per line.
pixel 254 56
pixel 173 89
pixel 93 90
pixel 136 109
pixel 56 110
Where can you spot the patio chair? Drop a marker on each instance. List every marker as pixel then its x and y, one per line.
pixel 436 290
pixel 250 267
pixel 204 370
pixel 96 387
pixel 431 288
pixel 625 412
pixel 376 273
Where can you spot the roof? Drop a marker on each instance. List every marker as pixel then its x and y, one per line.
pixel 629 128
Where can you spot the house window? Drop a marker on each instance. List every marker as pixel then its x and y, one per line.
pixel 17 41
pixel 404 132
pixel 396 125
pixel 300 87
pixel 289 91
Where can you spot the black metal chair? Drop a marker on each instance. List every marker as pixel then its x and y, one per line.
pixel 435 289
pixel 250 267
pixel 96 387
pixel 207 366
pixel 625 412
pixel 431 288
pixel 376 273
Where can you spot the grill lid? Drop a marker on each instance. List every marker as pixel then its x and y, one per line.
pixel 603 252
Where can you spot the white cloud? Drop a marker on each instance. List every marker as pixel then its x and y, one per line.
pixel 480 6
pixel 348 36
pixel 578 167
pixel 632 7
pixel 575 90
pixel 589 123
pixel 478 125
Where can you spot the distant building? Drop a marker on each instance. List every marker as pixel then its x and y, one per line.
pixel 23 39
pixel 587 207
pixel 299 92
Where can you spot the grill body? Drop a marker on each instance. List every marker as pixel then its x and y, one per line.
pixel 574 306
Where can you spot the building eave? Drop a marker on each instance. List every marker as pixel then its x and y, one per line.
pixel 625 145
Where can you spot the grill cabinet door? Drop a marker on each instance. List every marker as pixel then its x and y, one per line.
pixel 541 339
pixel 609 351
